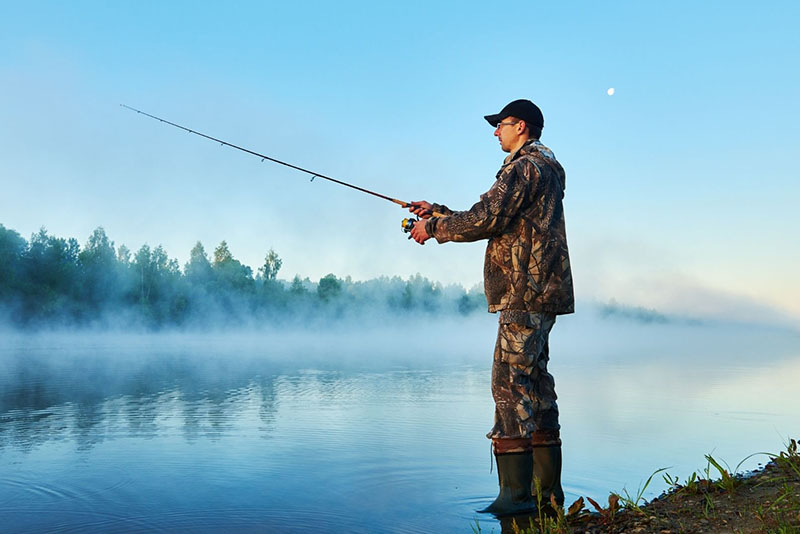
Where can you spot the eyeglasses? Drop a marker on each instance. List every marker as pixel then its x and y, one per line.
pixel 499 124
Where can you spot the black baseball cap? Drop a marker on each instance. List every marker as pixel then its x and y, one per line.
pixel 521 109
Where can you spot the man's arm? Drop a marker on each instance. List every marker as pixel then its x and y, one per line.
pixel 491 214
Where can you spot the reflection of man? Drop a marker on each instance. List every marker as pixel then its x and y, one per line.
pixel 527 279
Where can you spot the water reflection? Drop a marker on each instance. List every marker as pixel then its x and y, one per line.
pixel 97 397
pixel 255 438
pixel 91 398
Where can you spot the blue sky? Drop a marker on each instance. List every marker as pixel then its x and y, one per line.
pixel 682 187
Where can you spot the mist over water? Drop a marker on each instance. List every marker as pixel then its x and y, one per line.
pixel 374 426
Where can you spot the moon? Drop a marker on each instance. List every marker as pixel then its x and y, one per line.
pixel 610 91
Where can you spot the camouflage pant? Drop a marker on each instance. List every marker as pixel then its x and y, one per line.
pixel 524 392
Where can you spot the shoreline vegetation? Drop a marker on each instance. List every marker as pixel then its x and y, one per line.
pixel 49 281
pixel 715 499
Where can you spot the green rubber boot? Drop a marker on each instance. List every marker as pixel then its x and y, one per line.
pixel 515 473
pixel 547 468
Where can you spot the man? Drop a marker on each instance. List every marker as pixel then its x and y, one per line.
pixel 527 278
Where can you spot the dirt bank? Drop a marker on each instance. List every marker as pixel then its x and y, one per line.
pixel 765 501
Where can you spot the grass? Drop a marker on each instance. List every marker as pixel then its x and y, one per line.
pixel 632 503
pixel 789 459
pixel 715 498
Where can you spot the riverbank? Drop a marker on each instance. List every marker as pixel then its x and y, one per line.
pixel 711 501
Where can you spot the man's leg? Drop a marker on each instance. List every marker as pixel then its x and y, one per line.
pixel 525 435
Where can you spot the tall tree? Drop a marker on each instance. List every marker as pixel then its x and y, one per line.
pixel 198 269
pixel 222 254
pixel 52 272
pixel 298 287
pixel 230 273
pixel 12 251
pixel 143 268
pixel 124 255
pixel 329 287
pixel 272 264
pixel 100 273
pixel 160 294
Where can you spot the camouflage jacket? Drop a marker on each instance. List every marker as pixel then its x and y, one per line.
pixel 527 263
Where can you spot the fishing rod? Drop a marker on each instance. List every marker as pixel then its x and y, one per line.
pixel 407 224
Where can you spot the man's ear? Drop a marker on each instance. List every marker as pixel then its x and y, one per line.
pixel 521 125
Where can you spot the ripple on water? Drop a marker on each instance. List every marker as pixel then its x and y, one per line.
pixel 26 488
pixel 50 492
pixel 69 520
pixel 211 520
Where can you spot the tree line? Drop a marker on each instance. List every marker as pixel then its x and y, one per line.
pixel 50 280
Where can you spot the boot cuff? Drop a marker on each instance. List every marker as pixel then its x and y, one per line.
pixel 545 438
pixel 507 446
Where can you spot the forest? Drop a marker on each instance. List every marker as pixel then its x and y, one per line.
pixel 50 281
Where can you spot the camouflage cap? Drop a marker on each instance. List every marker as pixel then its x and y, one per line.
pixel 521 109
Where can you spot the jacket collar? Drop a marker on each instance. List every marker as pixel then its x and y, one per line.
pixel 531 145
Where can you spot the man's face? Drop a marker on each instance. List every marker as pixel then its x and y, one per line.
pixel 509 132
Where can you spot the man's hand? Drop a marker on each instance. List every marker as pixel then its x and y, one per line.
pixel 421 208
pixel 418 233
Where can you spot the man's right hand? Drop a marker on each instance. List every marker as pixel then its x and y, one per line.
pixel 420 208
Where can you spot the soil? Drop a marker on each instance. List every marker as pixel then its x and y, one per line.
pixel 764 501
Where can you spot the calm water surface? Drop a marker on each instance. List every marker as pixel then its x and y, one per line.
pixel 352 433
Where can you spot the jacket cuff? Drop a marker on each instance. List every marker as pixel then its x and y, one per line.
pixel 433 230
pixel 430 226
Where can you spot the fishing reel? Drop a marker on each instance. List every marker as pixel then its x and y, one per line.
pixel 408 224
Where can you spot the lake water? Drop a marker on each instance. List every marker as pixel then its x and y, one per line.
pixel 360 431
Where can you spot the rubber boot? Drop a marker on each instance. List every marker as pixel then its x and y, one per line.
pixel 547 468
pixel 515 474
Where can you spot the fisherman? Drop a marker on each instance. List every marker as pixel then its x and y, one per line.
pixel 527 279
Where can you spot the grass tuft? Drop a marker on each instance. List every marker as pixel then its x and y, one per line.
pixel 633 502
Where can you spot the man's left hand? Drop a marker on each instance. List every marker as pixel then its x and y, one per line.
pixel 418 233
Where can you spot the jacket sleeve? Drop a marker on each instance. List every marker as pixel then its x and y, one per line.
pixel 491 215
pixel 441 208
